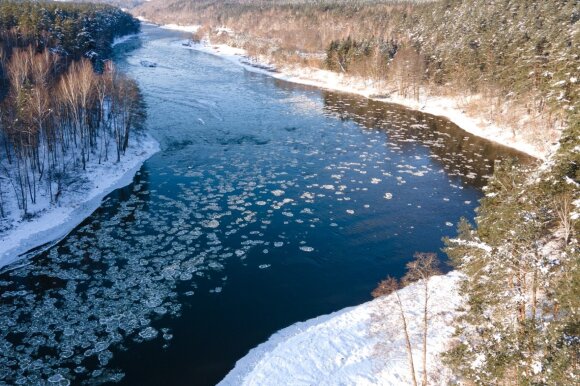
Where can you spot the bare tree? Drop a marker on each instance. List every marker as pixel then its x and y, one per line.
pixel 563 206
pixel 391 286
pixel 421 269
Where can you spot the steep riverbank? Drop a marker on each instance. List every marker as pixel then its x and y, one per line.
pixel 340 349
pixel 53 222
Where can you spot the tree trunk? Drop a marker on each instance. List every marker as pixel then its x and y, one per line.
pixel 407 340
pixel 425 328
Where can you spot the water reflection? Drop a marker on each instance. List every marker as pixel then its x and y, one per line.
pixel 459 153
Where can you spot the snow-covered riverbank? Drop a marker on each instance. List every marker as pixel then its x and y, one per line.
pixel 51 223
pixel 450 108
pixel 338 349
pixel 123 39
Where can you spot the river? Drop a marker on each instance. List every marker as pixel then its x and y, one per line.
pixel 270 203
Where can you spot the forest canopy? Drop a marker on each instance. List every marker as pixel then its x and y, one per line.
pixel 62 104
pixel 73 29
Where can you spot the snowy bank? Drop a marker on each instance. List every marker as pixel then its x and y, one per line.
pixel 183 28
pixel 123 39
pixel 338 349
pixel 449 108
pixel 52 223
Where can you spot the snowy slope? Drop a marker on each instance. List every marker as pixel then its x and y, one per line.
pixel 53 222
pixel 339 349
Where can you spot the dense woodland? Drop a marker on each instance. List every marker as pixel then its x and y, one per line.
pixel 63 105
pixel 521 59
pixel 69 29
pixel 522 321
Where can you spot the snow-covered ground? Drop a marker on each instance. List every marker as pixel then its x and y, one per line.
pixel 52 222
pixel 123 39
pixel 339 349
pixel 188 28
pixel 450 108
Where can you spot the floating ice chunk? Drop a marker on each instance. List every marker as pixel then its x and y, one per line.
pixel 467 202
pixel 211 223
pixel 261 203
pixel 148 333
pixel 350 211
pixel 388 196
pixel 264 266
pixel 375 180
pixel 445 199
pixel 153 302
pixel 277 192
pixel 104 357
pixel 306 249
pixel 216 290
pixel 449 224
pixel 328 187
pixel 57 378
pixel 278 244
pixel 100 346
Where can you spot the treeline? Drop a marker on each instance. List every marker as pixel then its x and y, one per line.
pixel 57 114
pixel 521 324
pixel 526 50
pixel 70 29
pixel 289 30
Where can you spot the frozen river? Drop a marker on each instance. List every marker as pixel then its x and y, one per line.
pixel 269 203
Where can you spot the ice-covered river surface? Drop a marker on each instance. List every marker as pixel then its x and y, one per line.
pixel 269 204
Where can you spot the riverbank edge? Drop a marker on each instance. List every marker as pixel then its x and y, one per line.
pixel 339 349
pixel 55 222
pixel 440 106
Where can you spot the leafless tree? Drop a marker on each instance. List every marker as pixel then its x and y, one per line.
pixel 391 286
pixel 563 206
pixel 421 269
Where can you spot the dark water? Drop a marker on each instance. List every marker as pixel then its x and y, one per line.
pixel 270 203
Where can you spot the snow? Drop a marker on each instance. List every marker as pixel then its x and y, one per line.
pixel 52 223
pixel 339 349
pixel 184 28
pixel 123 39
pixel 447 107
